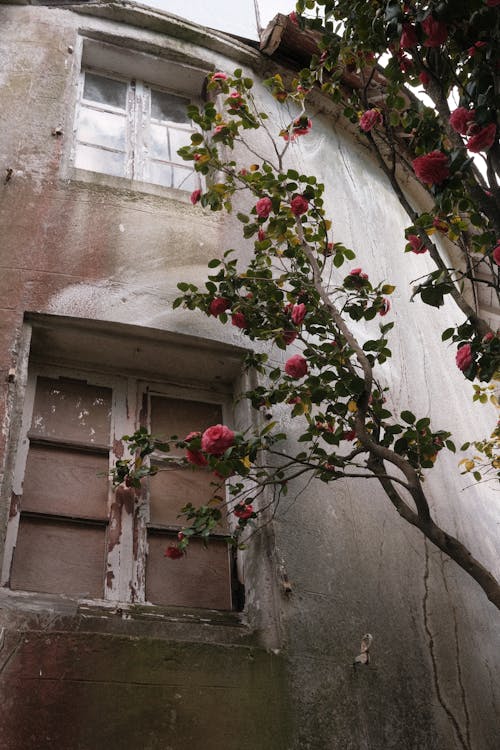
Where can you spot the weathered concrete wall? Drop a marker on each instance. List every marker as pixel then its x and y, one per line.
pixel 98 250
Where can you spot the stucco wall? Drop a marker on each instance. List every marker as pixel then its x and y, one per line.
pixel 97 249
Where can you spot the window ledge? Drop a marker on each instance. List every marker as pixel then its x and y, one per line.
pixel 28 611
pixel 83 177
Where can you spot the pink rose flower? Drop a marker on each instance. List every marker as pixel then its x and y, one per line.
pixel 298 313
pixel 424 78
pixel 417 246
pixel 289 337
pixel 236 100
pixel 358 272
pixel 302 126
pixel 296 366
pixel 464 357
pixel 195 196
pixel 243 511
pixel 461 119
pixel 386 306
pixel 218 305
pixel 238 320
pixel 264 207
pixel 483 139
pixel 431 168
pixel 173 552
pixel 293 18
pixel 408 37
pixel 299 205
pixel 370 119
pixel 219 76
pixel 436 32
pixel 496 253
pixel 217 439
pixel 261 235
pixel 194 456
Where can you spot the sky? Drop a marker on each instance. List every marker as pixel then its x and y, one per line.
pixel 231 16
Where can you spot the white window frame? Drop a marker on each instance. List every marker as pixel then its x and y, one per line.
pixel 138 138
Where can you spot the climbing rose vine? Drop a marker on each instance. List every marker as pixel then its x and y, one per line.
pixel 294 289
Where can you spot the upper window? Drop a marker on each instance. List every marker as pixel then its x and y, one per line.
pixel 128 128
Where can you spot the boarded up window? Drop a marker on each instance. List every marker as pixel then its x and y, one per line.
pixel 61 542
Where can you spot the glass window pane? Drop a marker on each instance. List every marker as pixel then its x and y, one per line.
pixel 169 107
pixel 159 174
pixel 158 146
pixel 178 138
pixel 105 90
pixel 184 179
pixel 71 411
pixel 102 128
pixel 98 160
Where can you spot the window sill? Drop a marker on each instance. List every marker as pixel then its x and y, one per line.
pixel 85 178
pixel 30 611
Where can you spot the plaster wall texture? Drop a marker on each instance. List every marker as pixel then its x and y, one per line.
pixel 102 250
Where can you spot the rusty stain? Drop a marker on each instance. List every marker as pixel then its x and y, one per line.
pixel 118 448
pixel 124 501
pixel 15 505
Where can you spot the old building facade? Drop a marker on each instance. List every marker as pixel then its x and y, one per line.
pixel 105 644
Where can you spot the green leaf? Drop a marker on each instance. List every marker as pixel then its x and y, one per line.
pixel 211 264
pixel 243 218
pixel 408 417
pixel 447 334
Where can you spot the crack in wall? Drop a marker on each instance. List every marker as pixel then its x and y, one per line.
pixel 464 744
pixel 458 660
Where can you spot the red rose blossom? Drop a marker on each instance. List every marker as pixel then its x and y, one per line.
pixel 243 511
pixel 261 235
pixel 238 320
pixel 293 18
pixel 218 305
pixel 436 32
pixel 298 313
pixel 217 439
pixel 461 119
pixel 408 37
pixel 431 168
pixel 464 357
pixel 349 435
pixel 194 456
pixel 299 205
pixel 173 552
pixel 424 78
pixel 483 139
pixel 195 196
pixel 440 225
pixel 370 119
pixel 264 207
pixel 358 272
pixel 496 253
pixel 417 246
pixel 289 337
pixel 296 366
